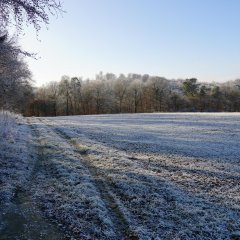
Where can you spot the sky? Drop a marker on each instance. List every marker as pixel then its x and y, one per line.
pixel 169 38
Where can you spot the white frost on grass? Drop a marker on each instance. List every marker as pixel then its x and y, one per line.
pixel 16 161
pixel 66 190
pixel 177 175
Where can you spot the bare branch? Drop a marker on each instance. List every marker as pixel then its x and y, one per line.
pixel 20 12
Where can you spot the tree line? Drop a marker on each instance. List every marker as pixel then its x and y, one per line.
pixel 134 93
pixel 107 93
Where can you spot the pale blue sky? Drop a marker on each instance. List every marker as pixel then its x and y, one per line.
pixel 170 38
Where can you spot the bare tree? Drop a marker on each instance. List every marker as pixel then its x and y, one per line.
pixel 76 95
pixel 87 97
pixel 64 90
pixel 136 92
pixel 52 92
pixel 99 95
pixel 159 88
pixel 120 89
pixel 20 12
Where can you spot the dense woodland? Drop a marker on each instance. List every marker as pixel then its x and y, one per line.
pixel 107 93
pixel 134 93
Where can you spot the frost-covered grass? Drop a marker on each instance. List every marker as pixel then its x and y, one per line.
pixel 8 122
pixel 15 154
pixel 141 176
pixel 66 190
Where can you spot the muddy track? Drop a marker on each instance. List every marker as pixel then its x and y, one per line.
pixel 23 219
pixel 116 215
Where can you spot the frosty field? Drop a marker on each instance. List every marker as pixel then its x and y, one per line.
pixel 137 176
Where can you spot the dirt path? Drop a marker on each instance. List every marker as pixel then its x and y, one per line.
pixel 23 219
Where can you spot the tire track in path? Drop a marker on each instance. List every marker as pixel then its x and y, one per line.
pixel 122 228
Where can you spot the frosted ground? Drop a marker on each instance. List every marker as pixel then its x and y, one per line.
pixel 139 176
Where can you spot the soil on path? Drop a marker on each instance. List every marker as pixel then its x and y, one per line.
pixel 22 218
